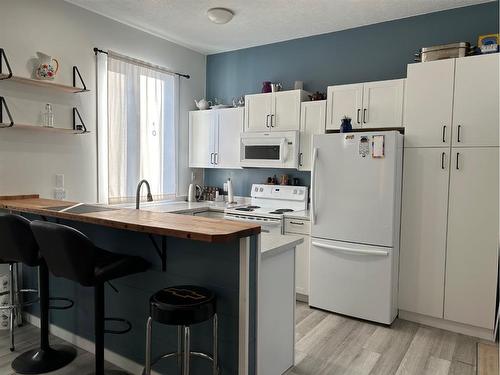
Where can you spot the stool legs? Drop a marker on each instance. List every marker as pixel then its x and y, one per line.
pixel 183 353
pixel 12 304
pixel 215 364
pixel 147 367
pixel 187 350
pixel 44 359
pixel 99 328
pixel 179 349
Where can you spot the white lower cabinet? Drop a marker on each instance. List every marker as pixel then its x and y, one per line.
pixel 471 261
pixel 449 234
pixel 301 227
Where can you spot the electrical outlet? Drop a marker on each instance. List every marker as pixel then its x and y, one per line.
pixel 60 194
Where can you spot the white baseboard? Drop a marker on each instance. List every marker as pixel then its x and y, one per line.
pixel 302 297
pixel 87 345
pixel 482 333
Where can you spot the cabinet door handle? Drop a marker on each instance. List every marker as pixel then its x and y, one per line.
pixel 357 115
pixel 216 158
pixel 444 133
pixel 296 223
pixel 442 160
pixel 301 156
pixel 458 157
pixel 458 133
pixel 364 116
pixel 267 121
pixel 211 158
pixel 272 116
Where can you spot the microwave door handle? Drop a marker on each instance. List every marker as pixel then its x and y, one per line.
pixel 313 183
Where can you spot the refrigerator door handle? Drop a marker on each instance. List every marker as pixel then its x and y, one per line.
pixel 313 178
pixel 351 251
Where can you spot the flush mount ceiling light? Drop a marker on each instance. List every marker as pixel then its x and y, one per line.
pixel 220 15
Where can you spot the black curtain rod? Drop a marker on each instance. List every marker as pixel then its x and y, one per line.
pixel 97 50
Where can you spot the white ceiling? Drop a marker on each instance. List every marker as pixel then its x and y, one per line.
pixel 257 22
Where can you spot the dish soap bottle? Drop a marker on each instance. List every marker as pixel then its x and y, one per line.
pixel 48 116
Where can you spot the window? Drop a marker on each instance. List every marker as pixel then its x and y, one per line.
pixel 140 131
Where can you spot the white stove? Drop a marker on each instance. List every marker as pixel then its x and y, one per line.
pixel 268 205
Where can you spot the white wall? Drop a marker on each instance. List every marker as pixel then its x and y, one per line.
pixel 30 160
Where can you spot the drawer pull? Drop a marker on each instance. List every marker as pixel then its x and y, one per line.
pixel 296 223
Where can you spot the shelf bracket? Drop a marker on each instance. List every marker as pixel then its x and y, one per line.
pixel 81 128
pixel 76 73
pixel 3 58
pixel 162 253
pixel 3 105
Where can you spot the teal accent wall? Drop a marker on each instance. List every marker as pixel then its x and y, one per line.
pixel 368 53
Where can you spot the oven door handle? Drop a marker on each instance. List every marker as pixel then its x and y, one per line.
pixel 270 222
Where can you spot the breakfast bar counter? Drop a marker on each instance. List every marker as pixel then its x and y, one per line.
pixel 221 255
pixel 159 223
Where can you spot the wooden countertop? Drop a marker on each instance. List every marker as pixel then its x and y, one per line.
pixel 159 223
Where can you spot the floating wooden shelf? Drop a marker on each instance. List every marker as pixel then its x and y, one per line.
pixel 47 84
pixel 42 128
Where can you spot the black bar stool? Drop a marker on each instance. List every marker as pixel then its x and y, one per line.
pixel 17 245
pixel 182 306
pixel 71 255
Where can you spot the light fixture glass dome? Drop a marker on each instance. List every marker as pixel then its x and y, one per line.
pixel 220 15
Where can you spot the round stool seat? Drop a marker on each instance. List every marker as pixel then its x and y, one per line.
pixel 182 305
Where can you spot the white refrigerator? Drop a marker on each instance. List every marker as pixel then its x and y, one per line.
pixel 355 214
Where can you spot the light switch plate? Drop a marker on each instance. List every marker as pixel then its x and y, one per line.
pixel 60 181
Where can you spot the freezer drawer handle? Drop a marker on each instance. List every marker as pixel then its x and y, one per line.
pixel 353 251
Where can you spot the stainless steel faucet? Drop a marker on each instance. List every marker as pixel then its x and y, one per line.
pixel 138 193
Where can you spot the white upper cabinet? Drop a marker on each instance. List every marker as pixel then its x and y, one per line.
pixel 230 126
pixel 312 121
pixel 214 138
pixel 344 100
pixel 369 105
pixel 201 138
pixel 429 101
pixel 476 101
pixel 258 110
pixel 286 110
pixel 276 111
pixel 472 255
pixel 383 104
pixel 423 230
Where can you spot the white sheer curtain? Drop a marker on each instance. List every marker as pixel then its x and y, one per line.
pixel 136 130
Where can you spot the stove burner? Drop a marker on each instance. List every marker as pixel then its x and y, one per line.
pixel 283 210
pixel 253 206
pixel 246 209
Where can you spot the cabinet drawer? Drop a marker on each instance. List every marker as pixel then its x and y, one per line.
pixel 297 226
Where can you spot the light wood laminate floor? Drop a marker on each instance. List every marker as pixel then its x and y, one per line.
pixel 329 344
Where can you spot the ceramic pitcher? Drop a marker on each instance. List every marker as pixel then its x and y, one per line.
pixel 47 67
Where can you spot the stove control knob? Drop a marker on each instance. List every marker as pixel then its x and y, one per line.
pixel 261 190
pixel 294 191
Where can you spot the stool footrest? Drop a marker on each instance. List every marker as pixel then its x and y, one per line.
pixel 176 354
pixel 118 332
pixel 70 304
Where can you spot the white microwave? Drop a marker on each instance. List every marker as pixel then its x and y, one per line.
pixel 270 150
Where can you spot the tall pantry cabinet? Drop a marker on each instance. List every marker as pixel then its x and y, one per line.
pixel 450 225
